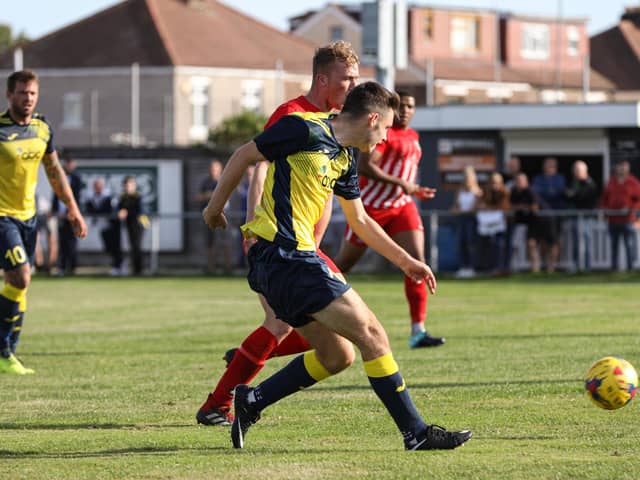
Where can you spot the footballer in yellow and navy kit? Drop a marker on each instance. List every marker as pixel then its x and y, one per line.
pixel 283 264
pixel 22 147
pixel 26 140
pixel 308 163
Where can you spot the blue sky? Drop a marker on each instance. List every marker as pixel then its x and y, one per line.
pixel 39 17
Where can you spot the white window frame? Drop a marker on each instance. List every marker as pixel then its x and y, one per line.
pixel 596 97
pixel 72 110
pixel 336 32
pixel 464 35
pixel 552 96
pixel 573 41
pixel 199 105
pixel 536 41
pixel 252 95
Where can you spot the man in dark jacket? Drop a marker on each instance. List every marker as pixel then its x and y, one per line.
pixel 101 206
pixel 582 194
pixel 68 242
pixel 131 211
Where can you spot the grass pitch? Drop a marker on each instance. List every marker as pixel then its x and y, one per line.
pixel 123 364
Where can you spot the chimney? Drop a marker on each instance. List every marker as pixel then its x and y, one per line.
pixel 632 14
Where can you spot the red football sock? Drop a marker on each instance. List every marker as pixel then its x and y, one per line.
pixel 417 297
pixel 247 362
pixel 292 343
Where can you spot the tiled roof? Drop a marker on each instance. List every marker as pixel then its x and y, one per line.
pixel 202 33
pixel 353 11
pixel 117 36
pixel 209 33
pixel 615 53
pixel 486 72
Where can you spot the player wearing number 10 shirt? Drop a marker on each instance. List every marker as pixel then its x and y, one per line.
pixel 26 139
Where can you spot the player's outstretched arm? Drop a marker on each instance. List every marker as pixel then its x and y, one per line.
pixel 62 189
pixel 368 166
pixel 244 156
pixel 374 236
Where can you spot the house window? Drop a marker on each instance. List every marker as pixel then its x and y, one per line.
pixel 465 34
pixel 573 41
pixel 337 33
pixel 72 110
pixel 427 25
pixel 455 93
pixel 252 92
pixel 552 96
pixel 596 97
pixel 199 100
pixel 535 41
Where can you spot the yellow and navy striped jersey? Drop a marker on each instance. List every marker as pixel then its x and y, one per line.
pixel 22 148
pixel 307 165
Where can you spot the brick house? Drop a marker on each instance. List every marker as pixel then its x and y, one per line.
pixel 161 72
pixel 615 53
pixel 480 56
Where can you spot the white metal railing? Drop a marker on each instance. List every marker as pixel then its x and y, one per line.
pixel 593 241
pixel 594 244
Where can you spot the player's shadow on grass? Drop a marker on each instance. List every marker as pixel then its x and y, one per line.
pixel 206 450
pixel 538 336
pixel 93 426
pixel 457 384
pixel 115 353
pixel 62 354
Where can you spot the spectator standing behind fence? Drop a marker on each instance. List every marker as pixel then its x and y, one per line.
pixel 492 224
pixel 131 211
pixel 67 240
pixel 100 205
pixel 550 186
pixel 622 193
pixel 581 194
pixel 216 253
pixel 525 204
pixel 512 169
pixel 464 206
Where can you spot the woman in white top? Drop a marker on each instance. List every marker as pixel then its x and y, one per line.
pixel 465 205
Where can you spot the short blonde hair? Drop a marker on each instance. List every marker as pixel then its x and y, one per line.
pixel 339 51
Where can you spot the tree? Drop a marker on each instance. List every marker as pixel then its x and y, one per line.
pixel 7 40
pixel 5 37
pixel 238 129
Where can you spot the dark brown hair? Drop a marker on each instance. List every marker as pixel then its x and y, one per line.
pixel 370 97
pixel 23 76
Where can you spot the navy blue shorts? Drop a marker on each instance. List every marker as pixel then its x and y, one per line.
pixel 295 283
pixel 17 242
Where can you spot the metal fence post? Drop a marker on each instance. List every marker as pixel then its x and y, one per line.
pixel 155 244
pixel 582 250
pixel 433 240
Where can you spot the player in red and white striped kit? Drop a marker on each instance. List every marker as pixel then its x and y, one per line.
pixel 387 185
